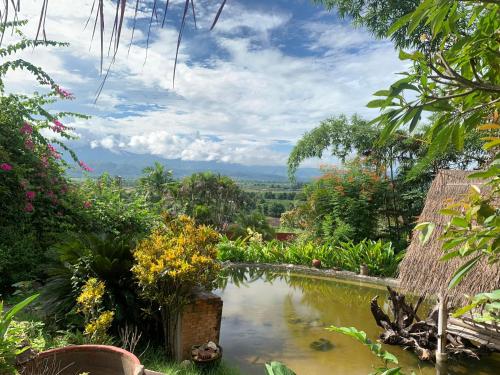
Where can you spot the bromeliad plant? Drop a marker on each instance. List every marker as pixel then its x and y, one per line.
pixel 171 264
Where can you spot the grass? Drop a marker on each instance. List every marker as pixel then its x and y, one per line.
pixel 154 359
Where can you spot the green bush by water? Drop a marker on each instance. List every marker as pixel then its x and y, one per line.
pixel 379 256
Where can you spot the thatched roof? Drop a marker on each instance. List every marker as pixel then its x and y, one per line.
pixel 421 272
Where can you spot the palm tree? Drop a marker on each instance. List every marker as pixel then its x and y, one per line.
pixel 155 182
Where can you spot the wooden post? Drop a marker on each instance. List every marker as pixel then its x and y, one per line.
pixel 441 356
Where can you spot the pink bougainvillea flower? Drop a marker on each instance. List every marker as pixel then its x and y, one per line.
pixel 64 93
pixel 29 207
pixel 58 126
pixel 87 204
pixel 53 152
pixel 30 195
pixel 29 144
pixel 50 194
pixel 84 166
pixel 5 167
pixel 45 161
pixel 26 128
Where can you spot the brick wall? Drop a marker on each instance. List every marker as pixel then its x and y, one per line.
pixel 199 322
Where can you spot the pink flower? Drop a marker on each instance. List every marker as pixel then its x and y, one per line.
pixel 50 194
pixel 53 152
pixel 64 93
pixel 45 161
pixel 30 195
pixel 26 129
pixel 5 167
pixel 29 207
pixel 87 204
pixel 29 144
pixel 58 126
pixel 84 166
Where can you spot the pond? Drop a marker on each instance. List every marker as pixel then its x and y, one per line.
pixel 277 316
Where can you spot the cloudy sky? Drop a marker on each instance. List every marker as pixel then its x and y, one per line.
pixel 244 93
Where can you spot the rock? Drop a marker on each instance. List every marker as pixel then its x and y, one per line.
pixel 212 345
pixel 316 263
pixel 186 363
pixel 322 345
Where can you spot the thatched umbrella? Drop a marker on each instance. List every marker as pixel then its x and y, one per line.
pixel 421 271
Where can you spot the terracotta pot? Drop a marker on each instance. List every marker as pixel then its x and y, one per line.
pixel 94 359
pixel 363 270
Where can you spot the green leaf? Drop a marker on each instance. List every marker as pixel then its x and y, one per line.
pixel 462 271
pixel 277 368
pixel 426 229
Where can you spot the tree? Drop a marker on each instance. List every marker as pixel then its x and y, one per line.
pixel 459 83
pixel 210 199
pixel 155 182
pixel 378 16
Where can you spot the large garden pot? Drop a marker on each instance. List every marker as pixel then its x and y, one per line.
pixel 94 359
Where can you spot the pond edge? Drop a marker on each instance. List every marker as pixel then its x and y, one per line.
pixel 325 272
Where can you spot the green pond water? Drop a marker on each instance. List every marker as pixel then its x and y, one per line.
pixel 277 316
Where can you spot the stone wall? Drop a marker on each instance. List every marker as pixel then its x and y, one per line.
pixel 199 322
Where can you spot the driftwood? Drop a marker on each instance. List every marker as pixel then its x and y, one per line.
pixel 406 329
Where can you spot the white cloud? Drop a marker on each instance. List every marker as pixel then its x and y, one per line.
pixel 246 91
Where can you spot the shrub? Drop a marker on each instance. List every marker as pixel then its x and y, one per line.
pixel 106 257
pixel 170 264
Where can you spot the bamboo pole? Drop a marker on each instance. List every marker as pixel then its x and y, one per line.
pixel 441 355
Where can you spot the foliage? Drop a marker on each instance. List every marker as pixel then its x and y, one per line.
pixel 106 206
pixel 457 80
pixel 33 187
pixel 378 16
pixel 97 321
pixel 473 231
pixel 106 257
pixel 171 263
pixel 392 160
pixel 376 348
pixel 210 199
pixel 342 204
pixel 486 305
pixel 10 344
pixel 277 368
pixel 254 221
pixel 155 183
pixel 378 256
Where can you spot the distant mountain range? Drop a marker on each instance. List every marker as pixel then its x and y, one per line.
pixel 129 165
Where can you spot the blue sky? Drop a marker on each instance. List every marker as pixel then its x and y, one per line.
pixel 244 93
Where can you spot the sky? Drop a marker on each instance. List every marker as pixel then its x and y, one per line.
pixel 245 92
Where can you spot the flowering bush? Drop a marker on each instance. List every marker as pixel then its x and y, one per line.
pixel 33 187
pixel 342 204
pixel 171 263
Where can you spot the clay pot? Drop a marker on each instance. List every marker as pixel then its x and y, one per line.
pixel 363 270
pixel 316 263
pixel 94 359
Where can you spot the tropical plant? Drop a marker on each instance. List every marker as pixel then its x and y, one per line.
pixel 155 182
pixel 379 257
pixel 255 221
pixel 106 257
pixel 210 199
pixel 486 308
pixel 278 368
pixel 107 207
pixel 343 204
pixel 33 188
pixel 170 264
pixel 457 80
pixel 10 344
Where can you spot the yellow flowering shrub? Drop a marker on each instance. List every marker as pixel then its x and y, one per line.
pixel 174 261
pixel 89 302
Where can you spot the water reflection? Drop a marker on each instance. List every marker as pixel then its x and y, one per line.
pixel 278 316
